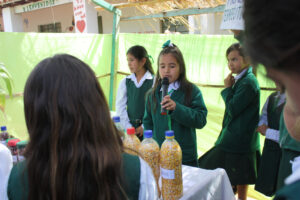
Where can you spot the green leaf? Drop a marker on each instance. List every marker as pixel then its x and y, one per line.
pixel 2 101
pixel 6 77
pixel 2 67
pixel 4 74
pixel 7 81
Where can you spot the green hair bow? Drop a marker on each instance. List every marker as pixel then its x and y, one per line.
pixel 150 58
pixel 167 44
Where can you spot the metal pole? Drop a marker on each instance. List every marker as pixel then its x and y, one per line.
pixel 117 13
pixel 116 20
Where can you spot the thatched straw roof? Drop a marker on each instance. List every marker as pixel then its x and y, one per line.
pixel 157 6
pixel 149 7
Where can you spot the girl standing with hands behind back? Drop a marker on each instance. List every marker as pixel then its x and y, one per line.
pixel 237 147
pixel 133 88
pixel 269 127
pixel 185 105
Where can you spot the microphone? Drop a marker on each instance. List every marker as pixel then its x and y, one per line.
pixel 165 85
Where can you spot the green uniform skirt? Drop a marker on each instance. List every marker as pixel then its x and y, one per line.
pixel 268 170
pixel 241 168
pixel 285 167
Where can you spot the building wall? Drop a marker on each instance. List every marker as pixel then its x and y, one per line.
pixel 207 24
pixel 61 13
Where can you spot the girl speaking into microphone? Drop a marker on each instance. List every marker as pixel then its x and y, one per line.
pixel 185 107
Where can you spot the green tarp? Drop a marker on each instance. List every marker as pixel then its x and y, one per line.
pixel 204 57
pixel 20 52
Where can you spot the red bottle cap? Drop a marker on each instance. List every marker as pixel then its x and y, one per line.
pixel 12 142
pixel 131 131
pixel 163 113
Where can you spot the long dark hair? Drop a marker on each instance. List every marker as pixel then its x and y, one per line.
pixel 185 84
pixel 139 52
pixel 74 152
pixel 272 33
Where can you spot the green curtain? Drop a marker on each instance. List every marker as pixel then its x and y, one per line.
pixel 206 64
pixel 20 52
pixel 204 58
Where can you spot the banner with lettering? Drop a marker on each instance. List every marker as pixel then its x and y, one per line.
pixel 79 16
pixel 233 15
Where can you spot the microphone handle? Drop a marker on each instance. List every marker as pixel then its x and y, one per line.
pixel 164 93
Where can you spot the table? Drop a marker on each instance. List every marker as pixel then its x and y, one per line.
pixel 202 184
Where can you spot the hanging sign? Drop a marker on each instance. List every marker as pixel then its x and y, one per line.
pixel 79 16
pixel 233 15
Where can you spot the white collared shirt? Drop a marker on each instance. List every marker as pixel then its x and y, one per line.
pixel 271 134
pixel 173 86
pixel 295 176
pixel 238 76
pixel 121 99
pixel 132 76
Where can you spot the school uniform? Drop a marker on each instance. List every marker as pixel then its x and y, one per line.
pixel 130 102
pixel 139 182
pixel 268 170
pixel 237 147
pixel 291 190
pixel 290 149
pixel 183 120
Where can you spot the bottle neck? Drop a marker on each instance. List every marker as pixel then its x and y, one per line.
pixel 131 135
pixel 169 137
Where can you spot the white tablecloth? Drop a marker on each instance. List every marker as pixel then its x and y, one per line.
pixel 6 163
pixel 201 184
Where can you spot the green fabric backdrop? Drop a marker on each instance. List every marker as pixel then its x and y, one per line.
pixel 204 57
pixel 206 64
pixel 20 52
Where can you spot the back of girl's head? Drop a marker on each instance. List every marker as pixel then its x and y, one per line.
pixel 272 33
pixel 139 52
pixel 235 47
pixel 73 150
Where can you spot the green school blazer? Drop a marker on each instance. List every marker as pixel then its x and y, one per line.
pixel 17 188
pixel 289 192
pixel 285 139
pixel 184 120
pixel 238 134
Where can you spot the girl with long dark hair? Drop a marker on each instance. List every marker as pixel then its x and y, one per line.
pixel 74 152
pixel 133 89
pixel 184 103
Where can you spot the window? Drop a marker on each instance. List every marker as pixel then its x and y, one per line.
pixel 174 26
pixel 50 28
pixel 100 26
